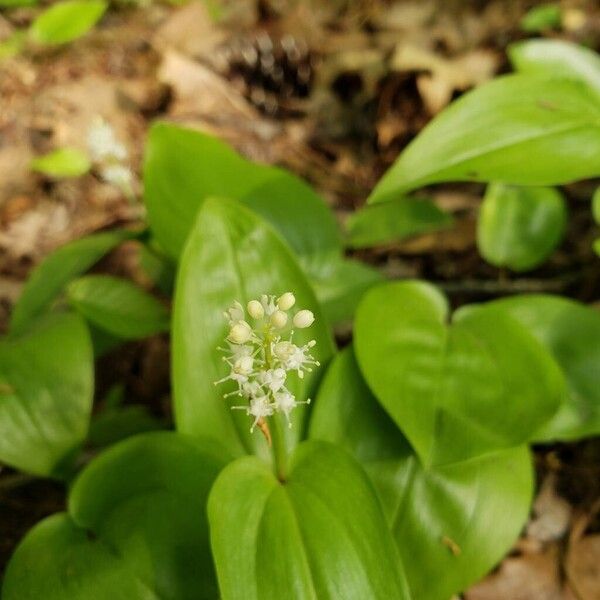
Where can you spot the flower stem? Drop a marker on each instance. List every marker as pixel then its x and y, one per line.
pixel 279 447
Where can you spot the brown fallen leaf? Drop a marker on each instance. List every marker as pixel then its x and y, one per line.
pixel 443 76
pixel 552 513
pixel 189 30
pixel 525 577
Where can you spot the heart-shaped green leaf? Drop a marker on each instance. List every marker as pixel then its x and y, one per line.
pixel 556 58
pixel 231 254
pixel 66 21
pixel 319 535
pixel 118 306
pixel 520 226
pixel 571 333
pixel 183 167
pixel 136 529
pixel 56 270
pixel 491 133
pixel 46 387
pixel 456 521
pixel 456 391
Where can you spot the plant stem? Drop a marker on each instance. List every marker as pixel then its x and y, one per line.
pixel 279 447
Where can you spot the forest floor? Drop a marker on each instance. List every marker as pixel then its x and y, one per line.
pixel 332 90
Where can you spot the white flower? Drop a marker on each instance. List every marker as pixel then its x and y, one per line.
pixel 285 402
pixel 244 365
pixel 240 372
pixel 234 313
pixel 299 359
pixel 251 389
pixel 240 333
pixel 304 319
pixel 259 408
pixel 268 304
pixel 274 379
pixel 286 301
pixel 238 350
pixel 103 144
pixel 284 350
pixel 260 360
pixel 255 309
pixel 117 175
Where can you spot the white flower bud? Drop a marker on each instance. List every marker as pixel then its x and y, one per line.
pixel 303 319
pixel 240 332
pixel 255 309
pixel 279 319
pixel 286 301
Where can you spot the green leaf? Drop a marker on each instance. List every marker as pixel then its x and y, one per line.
pixel 136 529
pixel 183 167
pixel 556 58
pixel 456 391
pixel 492 133
pixel 56 270
pixel 12 3
pixel 46 387
pixel 519 227
pixel 118 306
pixel 431 511
pixel 13 44
pixel 340 285
pixel 158 267
pixel 596 205
pixel 231 254
pixel 394 221
pixel 319 535
pixel 539 18
pixel 66 21
pixel 64 162
pixel 59 561
pixel 571 333
pixel 116 424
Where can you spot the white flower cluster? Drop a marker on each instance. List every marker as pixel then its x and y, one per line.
pixel 109 154
pixel 260 359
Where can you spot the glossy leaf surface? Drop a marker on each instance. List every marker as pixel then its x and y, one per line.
pixel 394 221
pixel 456 391
pixel 136 529
pixel 557 58
pixel 118 306
pixel 231 254
pixel 46 387
pixel 519 227
pixel 457 521
pixel 320 535
pixel 183 167
pixel 66 21
pixel 571 332
pixel 56 270
pixel 492 133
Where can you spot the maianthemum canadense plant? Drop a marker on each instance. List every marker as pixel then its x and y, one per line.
pixel 408 476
